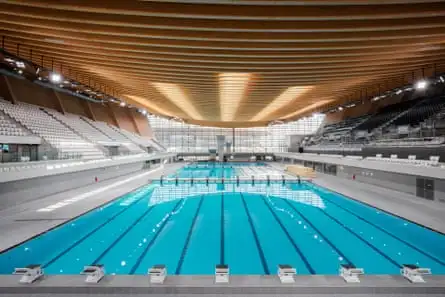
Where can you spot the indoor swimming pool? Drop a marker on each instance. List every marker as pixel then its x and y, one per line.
pixel 251 226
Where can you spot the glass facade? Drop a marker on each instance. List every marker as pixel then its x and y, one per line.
pixel 186 138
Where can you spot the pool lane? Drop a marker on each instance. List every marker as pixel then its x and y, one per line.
pixel 271 232
pixel 388 245
pixel 320 252
pixel 357 251
pixel 167 247
pixel 406 232
pixel 204 249
pixel 47 247
pixel 124 254
pixel 241 252
pixel 86 251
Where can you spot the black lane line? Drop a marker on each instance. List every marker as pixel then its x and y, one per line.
pixel 297 249
pixel 389 233
pixel 153 239
pixel 362 239
pixel 90 233
pixel 255 236
pixel 122 235
pixel 187 241
pixel 320 233
pixel 221 257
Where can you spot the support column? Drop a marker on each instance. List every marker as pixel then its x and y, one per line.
pixel 59 103
pixel 220 142
pixel 11 92
pixel 133 121
pixel 112 115
pixel 88 110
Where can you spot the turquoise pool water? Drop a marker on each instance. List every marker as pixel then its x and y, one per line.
pixel 252 227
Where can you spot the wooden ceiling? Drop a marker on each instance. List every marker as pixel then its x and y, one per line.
pixel 233 63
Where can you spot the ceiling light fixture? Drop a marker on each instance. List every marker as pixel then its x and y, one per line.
pixel 20 64
pixel 55 77
pixel 122 104
pixel 421 85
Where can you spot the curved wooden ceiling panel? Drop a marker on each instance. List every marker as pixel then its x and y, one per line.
pixel 233 63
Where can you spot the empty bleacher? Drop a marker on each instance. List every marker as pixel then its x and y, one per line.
pixel 420 112
pixel 144 142
pixel 9 127
pixel 81 126
pixel 385 114
pixel 116 136
pixel 66 141
pixel 344 126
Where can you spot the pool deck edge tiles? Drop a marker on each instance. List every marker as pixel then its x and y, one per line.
pixel 371 285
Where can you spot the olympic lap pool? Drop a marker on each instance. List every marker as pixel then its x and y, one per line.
pixel 252 227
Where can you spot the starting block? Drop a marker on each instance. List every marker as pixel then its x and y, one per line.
pixel 157 274
pixel 414 273
pixel 29 273
pixel 350 273
pixel 222 273
pixel 286 273
pixel 94 273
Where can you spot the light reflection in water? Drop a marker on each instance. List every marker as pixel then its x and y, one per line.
pixel 171 191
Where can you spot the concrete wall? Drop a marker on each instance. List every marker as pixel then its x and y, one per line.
pixel 142 124
pixel 29 92
pixel 123 118
pixel 72 104
pixel 102 113
pixel 16 192
pixel 394 181
pixel 380 174
pixel 4 89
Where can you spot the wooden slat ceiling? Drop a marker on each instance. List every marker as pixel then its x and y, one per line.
pixel 234 63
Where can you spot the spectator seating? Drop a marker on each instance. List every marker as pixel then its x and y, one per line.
pixel 115 136
pixel 420 112
pixel 385 114
pixel 68 143
pixel 82 127
pixel 8 127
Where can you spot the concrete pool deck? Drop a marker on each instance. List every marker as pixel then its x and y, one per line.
pixel 305 285
pixel 23 221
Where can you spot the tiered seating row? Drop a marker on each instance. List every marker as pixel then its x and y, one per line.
pixel 115 136
pixel 51 130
